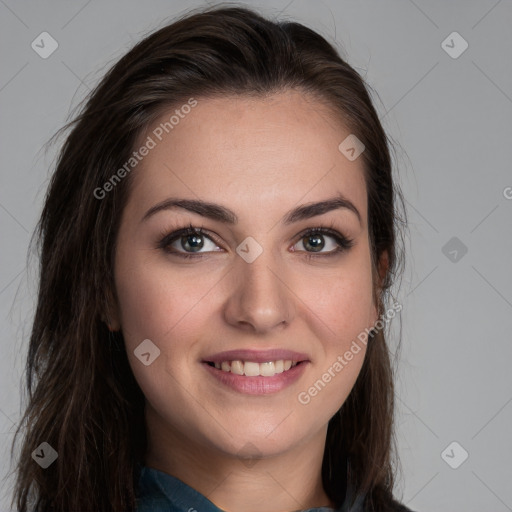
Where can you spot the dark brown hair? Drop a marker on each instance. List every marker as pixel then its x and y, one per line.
pixel 82 396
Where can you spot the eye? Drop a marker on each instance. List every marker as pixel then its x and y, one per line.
pixel 314 241
pixel 187 242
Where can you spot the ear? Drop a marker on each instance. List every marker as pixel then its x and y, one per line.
pixel 382 270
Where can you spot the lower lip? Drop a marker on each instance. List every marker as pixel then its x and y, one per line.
pixel 258 385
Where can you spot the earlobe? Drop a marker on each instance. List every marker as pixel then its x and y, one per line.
pixel 112 324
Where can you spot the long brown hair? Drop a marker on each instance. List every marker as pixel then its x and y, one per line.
pixel 83 399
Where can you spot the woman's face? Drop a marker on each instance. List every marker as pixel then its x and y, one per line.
pixel 249 284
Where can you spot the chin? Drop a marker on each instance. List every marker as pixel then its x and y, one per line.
pixel 255 439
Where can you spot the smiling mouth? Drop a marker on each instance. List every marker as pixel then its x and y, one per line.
pixel 254 369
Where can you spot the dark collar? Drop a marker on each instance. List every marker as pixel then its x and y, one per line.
pixel 159 492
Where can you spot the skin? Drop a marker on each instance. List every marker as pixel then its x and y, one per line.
pixel 259 157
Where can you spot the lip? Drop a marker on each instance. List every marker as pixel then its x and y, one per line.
pixel 257 385
pixel 257 356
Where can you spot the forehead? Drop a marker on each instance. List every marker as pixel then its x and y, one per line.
pixel 266 154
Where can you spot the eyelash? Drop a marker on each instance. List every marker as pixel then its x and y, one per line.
pixel 166 239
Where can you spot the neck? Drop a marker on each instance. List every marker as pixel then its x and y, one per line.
pixel 289 481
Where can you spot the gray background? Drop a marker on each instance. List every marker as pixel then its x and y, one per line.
pixel 451 118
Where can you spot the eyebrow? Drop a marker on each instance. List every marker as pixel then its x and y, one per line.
pixel 220 213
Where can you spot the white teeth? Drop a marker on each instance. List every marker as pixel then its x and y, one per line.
pixel 267 369
pixel 237 367
pixel 253 369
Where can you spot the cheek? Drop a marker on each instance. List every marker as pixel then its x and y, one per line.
pixel 162 306
pixel 339 309
pixel 341 319
pixel 155 301
pixel 168 306
pixel 341 301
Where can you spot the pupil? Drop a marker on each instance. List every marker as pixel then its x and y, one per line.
pixel 319 244
pixel 196 240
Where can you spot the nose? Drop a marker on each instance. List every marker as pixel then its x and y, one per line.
pixel 260 300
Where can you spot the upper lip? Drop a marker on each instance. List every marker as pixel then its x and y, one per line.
pixel 258 356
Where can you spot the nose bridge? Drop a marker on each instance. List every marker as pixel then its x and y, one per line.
pixel 260 276
pixel 260 296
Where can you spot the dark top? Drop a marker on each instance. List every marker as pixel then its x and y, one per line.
pixel 160 492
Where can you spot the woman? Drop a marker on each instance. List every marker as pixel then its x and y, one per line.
pixel 218 244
